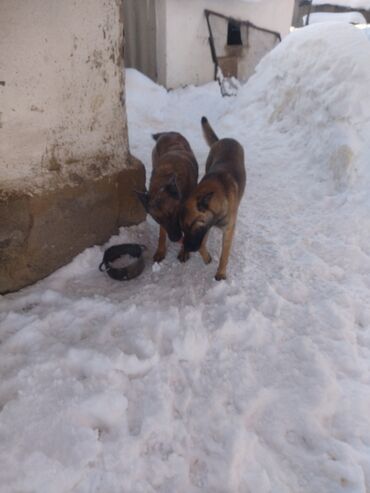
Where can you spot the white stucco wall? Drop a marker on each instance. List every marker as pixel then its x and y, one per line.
pixel 61 113
pixel 162 43
pixel 187 56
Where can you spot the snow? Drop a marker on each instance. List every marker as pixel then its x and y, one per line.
pixel 352 17
pixel 352 4
pixel 365 29
pixel 175 382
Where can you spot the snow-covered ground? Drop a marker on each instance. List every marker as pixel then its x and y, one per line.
pixel 174 382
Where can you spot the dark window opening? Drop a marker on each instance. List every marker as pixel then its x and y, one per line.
pixel 234 37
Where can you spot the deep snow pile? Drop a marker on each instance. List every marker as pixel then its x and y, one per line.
pixel 174 382
pixel 315 87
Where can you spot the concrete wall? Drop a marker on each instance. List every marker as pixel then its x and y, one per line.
pixel 140 36
pixel 61 110
pixel 162 40
pixel 65 172
pixel 187 56
pixel 145 23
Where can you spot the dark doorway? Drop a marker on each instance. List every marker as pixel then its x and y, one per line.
pixel 234 37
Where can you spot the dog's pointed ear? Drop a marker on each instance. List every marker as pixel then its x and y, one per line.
pixel 173 189
pixel 203 202
pixel 143 197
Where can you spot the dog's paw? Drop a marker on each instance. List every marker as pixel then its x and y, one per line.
pixel 159 256
pixel 220 276
pixel 207 259
pixel 183 256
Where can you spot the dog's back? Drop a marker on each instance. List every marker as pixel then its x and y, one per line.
pixel 225 156
pixel 171 142
pixel 172 155
pixel 216 199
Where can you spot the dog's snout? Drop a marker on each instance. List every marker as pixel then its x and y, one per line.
pixel 193 240
pixel 190 246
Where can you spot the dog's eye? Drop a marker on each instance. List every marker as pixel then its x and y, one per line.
pixel 157 203
pixel 203 202
pixel 200 205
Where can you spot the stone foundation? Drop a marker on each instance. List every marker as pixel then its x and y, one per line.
pixel 40 233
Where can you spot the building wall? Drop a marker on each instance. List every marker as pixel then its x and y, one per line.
pixel 62 117
pixel 65 171
pixel 302 9
pixel 162 40
pixel 187 56
pixel 140 36
pixel 145 25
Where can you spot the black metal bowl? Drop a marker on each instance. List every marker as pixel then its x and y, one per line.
pixel 132 270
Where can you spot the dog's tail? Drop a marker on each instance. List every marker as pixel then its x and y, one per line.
pixel 159 134
pixel 208 132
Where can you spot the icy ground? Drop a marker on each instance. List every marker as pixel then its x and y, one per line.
pixel 177 383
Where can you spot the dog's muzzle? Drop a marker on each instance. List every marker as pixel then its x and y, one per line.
pixel 190 246
pixel 192 243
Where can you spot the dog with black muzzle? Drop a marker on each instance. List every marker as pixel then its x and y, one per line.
pixel 174 177
pixel 216 199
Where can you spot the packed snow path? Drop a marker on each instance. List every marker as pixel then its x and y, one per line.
pixel 174 382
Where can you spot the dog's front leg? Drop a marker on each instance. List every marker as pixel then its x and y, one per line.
pixel 227 240
pixel 207 259
pixel 183 256
pixel 161 248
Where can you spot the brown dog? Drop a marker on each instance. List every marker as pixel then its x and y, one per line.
pixel 216 199
pixel 174 177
